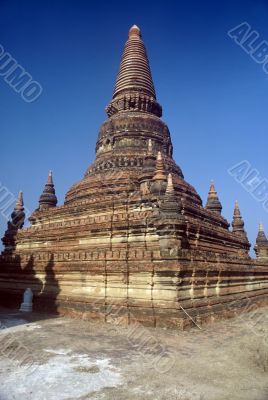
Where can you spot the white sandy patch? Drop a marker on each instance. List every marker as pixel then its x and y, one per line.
pixel 63 377
pixel 62 352
pixel 16 325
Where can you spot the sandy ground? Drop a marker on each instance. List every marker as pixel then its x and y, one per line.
pixel 43 357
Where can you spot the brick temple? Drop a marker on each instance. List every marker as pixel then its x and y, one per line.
pixel 133 234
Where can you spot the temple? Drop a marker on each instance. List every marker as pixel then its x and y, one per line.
pixel 133 234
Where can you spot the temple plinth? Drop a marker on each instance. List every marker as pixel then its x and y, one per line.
pixel 132 233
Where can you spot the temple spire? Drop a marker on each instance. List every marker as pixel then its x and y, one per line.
pixel 159 179
pixel 213 202
pixel 134 88
pixel 48 198
pixel 16 222
pixel 19 203
pixel 134 72
pixel 18 215
pixel 159 168
pixel 170 187
pixel 50 179
pixel 261 237
pixel 238 223
pixel 261 246
pixel 170 205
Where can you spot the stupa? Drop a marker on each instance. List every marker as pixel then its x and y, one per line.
pixel 132 239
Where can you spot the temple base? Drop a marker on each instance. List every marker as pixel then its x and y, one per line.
pixel 189 290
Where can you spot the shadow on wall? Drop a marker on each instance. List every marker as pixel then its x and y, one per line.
pixel 15 279
pixel 46 300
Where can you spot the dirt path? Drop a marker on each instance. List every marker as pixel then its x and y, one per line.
pixel 64 359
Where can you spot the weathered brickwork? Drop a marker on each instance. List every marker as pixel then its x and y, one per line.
pixel 133 235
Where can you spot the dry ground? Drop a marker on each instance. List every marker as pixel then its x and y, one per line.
pixel 42 357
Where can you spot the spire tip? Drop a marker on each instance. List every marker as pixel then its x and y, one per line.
pixel 170 187
pixel 159 155
pixel 50 179
pixel 19 201
pixel 134 31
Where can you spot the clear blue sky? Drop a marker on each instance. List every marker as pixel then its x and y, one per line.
pixel 214 96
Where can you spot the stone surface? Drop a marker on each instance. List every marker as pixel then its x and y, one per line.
pixel 124 236
pixel 72 359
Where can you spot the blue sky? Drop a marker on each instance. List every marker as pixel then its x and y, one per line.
pixel 214 95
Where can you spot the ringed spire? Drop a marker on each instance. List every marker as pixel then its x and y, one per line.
pixel 134 71
pixel 134 88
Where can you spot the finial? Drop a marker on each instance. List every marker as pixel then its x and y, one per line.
pixel 150 147
pixel 238 223
pixel 149 161
pixel 213 202
pixel 19 202
pixel 159 168
pixel 212 187
pixel 50 179
pixel 261 246
pixel 159 179
pixel 134 31
pixel 48 197
pixel 170 204
pixel 170 187
pixel 18 215
pixel 236 208
pixel 15 223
